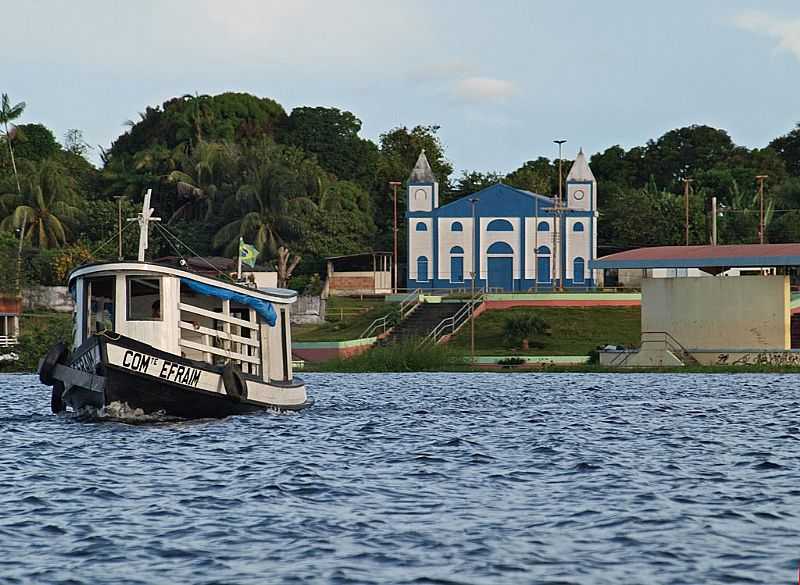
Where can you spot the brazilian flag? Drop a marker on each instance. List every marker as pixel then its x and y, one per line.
pixel 248 253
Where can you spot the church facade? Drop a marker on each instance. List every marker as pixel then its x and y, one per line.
pixel 504 238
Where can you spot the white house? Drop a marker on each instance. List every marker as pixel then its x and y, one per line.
pixel 508 238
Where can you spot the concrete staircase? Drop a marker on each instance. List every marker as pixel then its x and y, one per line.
pixel 421 322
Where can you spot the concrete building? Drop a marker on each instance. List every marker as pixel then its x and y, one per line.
pixel 505 238
pixel 719 319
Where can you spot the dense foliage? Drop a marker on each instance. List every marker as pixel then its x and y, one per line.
pixel 236 165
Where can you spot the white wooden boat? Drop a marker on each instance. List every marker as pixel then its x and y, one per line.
pixel 163 340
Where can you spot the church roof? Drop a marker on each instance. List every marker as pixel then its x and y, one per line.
pixel 498 199
pixel 422 172
pixel 580 170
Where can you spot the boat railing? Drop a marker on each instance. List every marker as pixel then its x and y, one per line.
pixel 238 340
pixel 451 325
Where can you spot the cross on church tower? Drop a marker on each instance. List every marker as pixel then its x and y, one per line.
pixel 144 218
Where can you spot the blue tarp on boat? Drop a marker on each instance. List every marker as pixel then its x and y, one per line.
pixel 263 308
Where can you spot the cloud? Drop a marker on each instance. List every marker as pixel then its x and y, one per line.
pixel 785 31
pixel 484 89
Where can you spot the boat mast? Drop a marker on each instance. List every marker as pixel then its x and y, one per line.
pixel 144 218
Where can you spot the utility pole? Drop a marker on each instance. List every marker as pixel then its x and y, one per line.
pixel 761 179
pixel 557 268
pixel 686 183
pixel 714 220
pixel 19 251
pixel 119 199
pixel 395 185
pixel 473 201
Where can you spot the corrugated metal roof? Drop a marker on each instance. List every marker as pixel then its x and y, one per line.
pixel 740 256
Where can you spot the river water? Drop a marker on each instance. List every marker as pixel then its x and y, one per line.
pixel 416 479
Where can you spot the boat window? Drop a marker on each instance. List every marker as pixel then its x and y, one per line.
pixel 100 305
pixel 144 299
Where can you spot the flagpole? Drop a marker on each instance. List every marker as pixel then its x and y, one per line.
pixel 239 260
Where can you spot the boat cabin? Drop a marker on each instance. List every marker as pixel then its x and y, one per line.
pixel 187 315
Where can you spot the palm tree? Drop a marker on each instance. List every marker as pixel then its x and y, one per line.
pixel 275 194
pixel 7 114
pixel 198 183
pixel 45 208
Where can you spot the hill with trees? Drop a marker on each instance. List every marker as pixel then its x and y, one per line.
pixel 234 164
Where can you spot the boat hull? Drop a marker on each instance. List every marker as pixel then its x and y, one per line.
pixel 124 375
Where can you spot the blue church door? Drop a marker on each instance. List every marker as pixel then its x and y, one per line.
pixel 457 269
pixel 577 271
pixel 422 269
pixel 501 273
pixel 543 269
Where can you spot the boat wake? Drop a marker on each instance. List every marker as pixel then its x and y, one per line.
pixel 121 412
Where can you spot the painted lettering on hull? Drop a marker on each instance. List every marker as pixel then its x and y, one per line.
pixel 170 371
pixel 179 373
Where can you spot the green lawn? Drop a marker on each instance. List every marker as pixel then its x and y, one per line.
pixel 573 330
pixel 346 318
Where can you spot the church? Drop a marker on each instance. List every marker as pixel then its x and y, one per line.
pixel 504 238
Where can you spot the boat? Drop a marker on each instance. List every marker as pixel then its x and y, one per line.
pixel 162 340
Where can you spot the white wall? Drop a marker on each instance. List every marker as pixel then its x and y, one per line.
pixel 736 312
pixel 448 239
pixel 578 245
pixel 420 244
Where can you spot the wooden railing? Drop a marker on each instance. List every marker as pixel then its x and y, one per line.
pixel 8 341
pixel 230 342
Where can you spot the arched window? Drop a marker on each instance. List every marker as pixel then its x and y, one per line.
pixel 500 248
pixel 543 226
pixel 456 250
pixel 421 227
pixel 456 227
pixel 578 227
pixel 499 225
pixel 543 251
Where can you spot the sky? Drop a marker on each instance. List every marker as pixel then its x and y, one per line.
pixel 502 78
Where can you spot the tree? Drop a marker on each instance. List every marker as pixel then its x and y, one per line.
pixel 519 329
pixel 285 265
pixel 46 206
pixel 788 148
pixel 279 190
pixel 35 142
pixel 74 142
pixel 198 182
pixel 539 176
pixel 332 136
pixel 8 113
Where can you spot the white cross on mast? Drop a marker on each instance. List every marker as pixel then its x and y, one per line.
pixel 144 218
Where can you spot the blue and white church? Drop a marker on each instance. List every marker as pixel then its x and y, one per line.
pixel 505 238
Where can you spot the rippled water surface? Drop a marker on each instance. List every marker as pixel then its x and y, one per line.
pixel 418 478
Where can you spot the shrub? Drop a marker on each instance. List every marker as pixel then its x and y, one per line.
pixel 511 361
pixel 519 329
pixel 402 357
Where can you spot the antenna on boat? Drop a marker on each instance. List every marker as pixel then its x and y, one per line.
pixel 144 219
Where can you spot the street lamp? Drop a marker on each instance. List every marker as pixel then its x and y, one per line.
pixel 395 185
pixel 556 247
pixel 473 202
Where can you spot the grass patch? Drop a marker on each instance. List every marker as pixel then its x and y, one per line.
pixel 404 357
pixel 573 330
pixel 341 325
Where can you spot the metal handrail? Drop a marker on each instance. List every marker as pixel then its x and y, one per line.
pixel 668 337
pixel 409 302
pixel 454 322
pixel 380 322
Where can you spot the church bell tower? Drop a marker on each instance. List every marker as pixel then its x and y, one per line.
pixel 423 188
